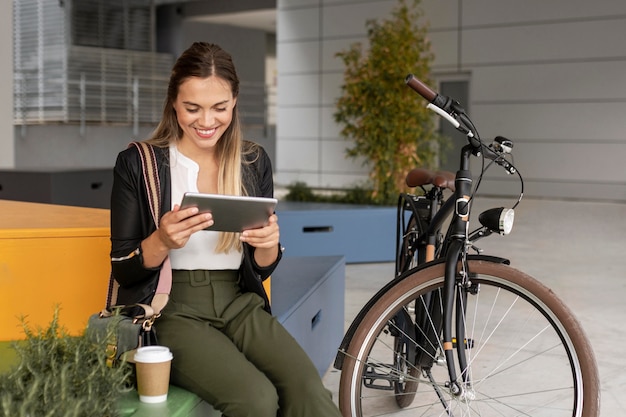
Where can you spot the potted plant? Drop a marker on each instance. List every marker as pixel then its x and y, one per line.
pixel 380 115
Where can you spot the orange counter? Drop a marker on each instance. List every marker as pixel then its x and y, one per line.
pixel 51 255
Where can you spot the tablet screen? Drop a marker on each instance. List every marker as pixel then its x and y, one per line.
pixel 232 213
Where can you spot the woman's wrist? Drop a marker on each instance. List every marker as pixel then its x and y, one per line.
pixel 154 251
pixel 265 257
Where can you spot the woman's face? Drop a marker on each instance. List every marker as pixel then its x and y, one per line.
pixel 204 110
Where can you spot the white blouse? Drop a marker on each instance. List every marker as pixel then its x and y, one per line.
pixel 199 252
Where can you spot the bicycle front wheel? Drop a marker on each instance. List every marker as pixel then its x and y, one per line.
pixel 526 353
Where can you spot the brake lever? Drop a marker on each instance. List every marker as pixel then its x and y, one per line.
pixel 454 122
pixel 502 146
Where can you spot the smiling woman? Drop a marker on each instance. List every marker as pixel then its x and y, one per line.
pixel 227 347
pixel 204 108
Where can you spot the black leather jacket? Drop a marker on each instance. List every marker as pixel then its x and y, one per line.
pixel 131 222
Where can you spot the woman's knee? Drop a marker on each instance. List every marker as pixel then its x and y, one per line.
pixel 252 401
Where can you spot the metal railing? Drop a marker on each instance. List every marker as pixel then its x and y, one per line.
pixel 83 100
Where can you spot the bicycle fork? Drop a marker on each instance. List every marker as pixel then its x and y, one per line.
pixel 453 296
pixel 451 299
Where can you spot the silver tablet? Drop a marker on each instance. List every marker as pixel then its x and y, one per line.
pixel 232 213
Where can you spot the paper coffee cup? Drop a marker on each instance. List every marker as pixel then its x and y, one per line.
pixel 152 364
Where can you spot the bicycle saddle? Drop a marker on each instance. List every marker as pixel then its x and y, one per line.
pixel 421 176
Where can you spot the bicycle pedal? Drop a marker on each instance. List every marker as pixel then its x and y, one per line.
pixel 376 380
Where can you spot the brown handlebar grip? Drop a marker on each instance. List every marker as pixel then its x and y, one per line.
pixel 421 88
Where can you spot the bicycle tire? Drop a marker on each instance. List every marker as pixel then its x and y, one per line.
pixel 537 335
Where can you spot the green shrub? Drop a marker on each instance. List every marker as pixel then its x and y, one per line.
pixel 61 376
pixel 300 191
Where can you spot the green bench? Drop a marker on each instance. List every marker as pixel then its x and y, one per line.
pixel 180 403
pixel 8 356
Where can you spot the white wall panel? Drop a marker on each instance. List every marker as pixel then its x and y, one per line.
pixel 441 14
pixel 574 162
pixel 298 24
pixel 580 81
pixel 343 2
pixel 331 84
pixel 322 179
pixel 290 177
pixel 329 129
pixel 298 57
pixel 577 40
pixel 298 155
pixel 445 46
pixel 556 189
pixel 344 20
pixel 298 122
pixel 334 159
pixel 330 49
pixel 332 180
pixel 555 122
pixel 299 3
pixel 299 90
pixel 486 12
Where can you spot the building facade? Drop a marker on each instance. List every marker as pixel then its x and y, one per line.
pixel 551 75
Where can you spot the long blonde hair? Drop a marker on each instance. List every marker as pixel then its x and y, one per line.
pixel 204 60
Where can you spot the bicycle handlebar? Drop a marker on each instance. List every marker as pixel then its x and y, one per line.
pixel 444 106
pixel 454 113
pixel 421 88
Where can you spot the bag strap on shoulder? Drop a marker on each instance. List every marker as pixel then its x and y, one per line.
pixel 153 188
pixel 151 178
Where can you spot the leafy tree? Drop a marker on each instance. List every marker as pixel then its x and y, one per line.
pixel 388 124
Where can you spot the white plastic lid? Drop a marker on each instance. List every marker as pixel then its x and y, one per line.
pixel 153 354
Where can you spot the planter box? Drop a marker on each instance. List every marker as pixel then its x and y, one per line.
pixel 359 233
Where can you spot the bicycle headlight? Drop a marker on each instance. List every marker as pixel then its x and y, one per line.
pixel 499 220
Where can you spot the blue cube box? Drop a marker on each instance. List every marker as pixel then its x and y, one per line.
pixel 308 298
pixel 359 233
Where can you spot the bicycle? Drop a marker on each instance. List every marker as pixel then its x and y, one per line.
pixel 459 333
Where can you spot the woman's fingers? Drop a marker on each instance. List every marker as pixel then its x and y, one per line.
pixel 264 237
pixel 178 225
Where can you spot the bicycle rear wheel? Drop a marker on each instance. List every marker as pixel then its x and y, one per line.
pixel 527 354
pixel 409 255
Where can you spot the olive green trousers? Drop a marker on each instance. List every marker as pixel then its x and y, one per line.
pixel 235 355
